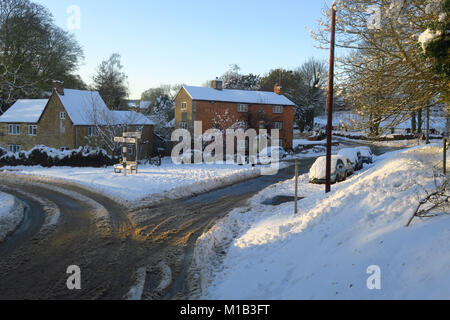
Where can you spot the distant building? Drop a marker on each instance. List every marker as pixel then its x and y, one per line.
pixel 247 109
pixel 67 120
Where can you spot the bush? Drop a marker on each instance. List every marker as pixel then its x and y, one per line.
pixel 49 157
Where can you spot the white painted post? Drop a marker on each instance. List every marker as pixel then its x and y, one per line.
pixel 124 160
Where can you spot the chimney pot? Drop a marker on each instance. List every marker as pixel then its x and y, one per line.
pixel 58 86
pixel 277 89
pixel 217 84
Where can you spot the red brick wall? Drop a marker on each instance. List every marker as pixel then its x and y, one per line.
pixel 207 112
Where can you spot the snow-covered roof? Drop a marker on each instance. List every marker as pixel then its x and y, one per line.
pixel 131 118
pixel 237 96
pixel 83 106
pixel 24 111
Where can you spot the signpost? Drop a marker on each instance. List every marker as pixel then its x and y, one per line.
pixel 129 138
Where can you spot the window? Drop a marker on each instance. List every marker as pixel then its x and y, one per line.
pixel 32 130
pixel 92 132
pixel 62 115
pixel 14 129
pixel 277 109
pixel 183 125
pixel 242 107
pixel 184 106
pixel 14 148
pixel 278 125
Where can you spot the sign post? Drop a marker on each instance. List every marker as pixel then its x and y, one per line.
pixel 128 138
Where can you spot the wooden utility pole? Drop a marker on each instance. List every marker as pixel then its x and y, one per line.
pixel 330 99
pixel 296 186
pixel 428 125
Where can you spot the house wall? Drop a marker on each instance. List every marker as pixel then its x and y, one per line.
pixel 51 130
pixel 56 133
pixel 185 116
pixel 146 143
pixel 208 111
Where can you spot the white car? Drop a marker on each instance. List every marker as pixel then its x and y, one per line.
pixel 349 165
pixel 266 154
pixel 354 154
pixel 366 154
pixel 317 173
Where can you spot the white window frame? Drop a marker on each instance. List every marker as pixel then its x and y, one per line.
pixel 277 125
pixel 62 116
pixel 184 106
pixel 183 125
pixel 32 130
pixel 92 131
pixel 14 129
pixel 242 107
pixel 278 109
pixel 14 148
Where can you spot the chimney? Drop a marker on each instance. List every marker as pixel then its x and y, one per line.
pixel 277 89
pixel 58 86
pixel 217 84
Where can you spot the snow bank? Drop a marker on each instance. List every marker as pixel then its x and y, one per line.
pixel 11 214
pixel 324 252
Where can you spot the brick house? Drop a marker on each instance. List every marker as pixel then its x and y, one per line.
pixel 69 119
pixel 249 109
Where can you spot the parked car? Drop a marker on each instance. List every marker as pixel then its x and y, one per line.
pixel 317 173
pixel 349 165
pixel 366 154
pixel 265 155
pixel 269 150
pixel 355 156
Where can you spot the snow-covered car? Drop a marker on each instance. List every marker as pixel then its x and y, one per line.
pixel 354 154
pixel 317 173
pixel 349 165
pixel 267 152
pixel 366 154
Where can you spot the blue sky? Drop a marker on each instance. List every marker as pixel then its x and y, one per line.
pixel 170 42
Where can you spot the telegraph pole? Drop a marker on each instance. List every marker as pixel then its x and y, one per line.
pixel 330 98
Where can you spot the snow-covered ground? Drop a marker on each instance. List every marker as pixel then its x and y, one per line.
pixel 152 183
pixel 345 118
pixel 11 215
pixel 304 142
pixel 329 249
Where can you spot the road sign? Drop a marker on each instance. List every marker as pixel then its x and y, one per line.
pixel 124 140
pixel 136 135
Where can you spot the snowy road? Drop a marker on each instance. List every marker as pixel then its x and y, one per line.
pixel 67 225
